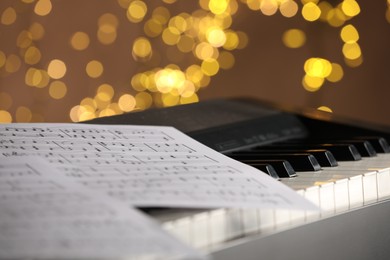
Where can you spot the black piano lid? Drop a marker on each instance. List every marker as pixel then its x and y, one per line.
pixel 234 124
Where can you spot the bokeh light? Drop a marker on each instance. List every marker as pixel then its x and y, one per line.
pixel 94 69
pixel 79 41
pixel 294 38
pixel 175 54
pixel 56 69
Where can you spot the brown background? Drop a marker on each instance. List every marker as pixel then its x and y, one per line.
pixel 265 68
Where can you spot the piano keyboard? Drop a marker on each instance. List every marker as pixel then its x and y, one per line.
pixel 335 190
pixel 356 180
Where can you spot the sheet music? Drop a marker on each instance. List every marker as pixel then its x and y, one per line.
pixel 45 215
pixel 148 166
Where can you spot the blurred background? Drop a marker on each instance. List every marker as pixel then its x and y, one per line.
pixel 70 60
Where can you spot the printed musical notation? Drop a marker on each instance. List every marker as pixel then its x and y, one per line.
pixel 148 166
pixel 45 215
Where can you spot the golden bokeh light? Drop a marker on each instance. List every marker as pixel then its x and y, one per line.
pixel 23 114
pixel 137 82
pixel 5 117
pixel 218 6
pixel 210 67
pixel 232 40
pixel 43 7
pixel 94 69
pixel 325 8
pixel 89 103
pixel 8 16
pixel 127 102
pixel 141 48
pixel 57 89
pixel 294 38
pixel 205 51
pixel 79 41
pixel 216 37
pixel 169 100
pixel 187 89
pixel 105 93
pixel 32 56
pixel 311 12
pixel 37 31
pixel 352 51
pixel 153 27
pixel 335 17
pixel 312 84
pixel 105 112
pixel 136 11
pixel 179 22
pixel 24 39
pixel 336 74
pixel 226 60
pixel 161 14
pixel 350 7
pixel 107 28
pixel 188 100
pixel 13 63
pixel 243 40
pixel 194 74
pixel 325 109
pixel 269 7
pixel 186 43
pixel 169 79
pixel 143 100
pixel 318 67
pixel 108 19
pixel 171 36
pixel 288 8
pixel 37 78
pixel 56 69
pixel 349 34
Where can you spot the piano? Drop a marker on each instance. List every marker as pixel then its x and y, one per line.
pixel 341 165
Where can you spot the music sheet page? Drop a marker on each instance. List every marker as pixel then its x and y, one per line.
pixel 148 166
pixel 45 215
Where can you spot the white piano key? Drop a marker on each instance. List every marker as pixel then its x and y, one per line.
pixel 266 220
pixel 181 228
pixel 355 188
pixel 200 230
pixel 282 218
pixel 370 187
pixel 297 217
pixel 250 221
pixel 341 195
pixel 217 225
pixel 326 199
pixel 234 227
pixel 383 183
pixel 313 195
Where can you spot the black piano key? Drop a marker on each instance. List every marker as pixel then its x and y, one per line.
pixel 364 147
pixel 380 144
pixel 282 167
pixel 267 168
pixel 299 161
pixel 324 157
pixel 342 152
